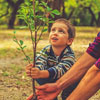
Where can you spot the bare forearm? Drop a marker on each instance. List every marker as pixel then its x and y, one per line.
pixel 44 74
pixel 90 82
pixel 77 71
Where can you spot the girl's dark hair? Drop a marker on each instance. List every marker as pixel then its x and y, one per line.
pixel 71 28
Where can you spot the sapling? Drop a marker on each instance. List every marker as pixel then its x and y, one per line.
pixel 35 14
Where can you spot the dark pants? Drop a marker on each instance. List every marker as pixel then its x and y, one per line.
pixel 55 99
pixel 66 92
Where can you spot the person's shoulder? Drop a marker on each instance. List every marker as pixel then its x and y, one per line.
pixel 98 34
pixel 46 49
pixel 70 50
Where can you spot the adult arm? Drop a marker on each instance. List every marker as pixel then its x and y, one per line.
pixel 77 71
pixel 88 85
pixel 73 75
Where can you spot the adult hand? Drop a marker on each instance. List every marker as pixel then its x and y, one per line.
pixel 47 91
pixel 30 97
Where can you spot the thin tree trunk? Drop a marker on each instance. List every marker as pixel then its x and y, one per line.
pixel 93 16
pixel 98 21
pixel 15 7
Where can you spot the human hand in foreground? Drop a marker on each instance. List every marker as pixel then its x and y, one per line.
pixel 47 91
pixel 36 73
pixel 30 97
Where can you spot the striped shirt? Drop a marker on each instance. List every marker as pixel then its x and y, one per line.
pixel 94 50
pixel 56 65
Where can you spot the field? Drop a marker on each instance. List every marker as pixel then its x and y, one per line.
pixel 14 84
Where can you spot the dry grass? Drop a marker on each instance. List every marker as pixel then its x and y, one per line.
pixel 14 84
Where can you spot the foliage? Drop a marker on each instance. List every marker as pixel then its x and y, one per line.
pixel 35 19
pixel 35 15
pixel 79 16
pixel 3 12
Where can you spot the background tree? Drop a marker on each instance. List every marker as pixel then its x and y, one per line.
pixel 80 12
pixel 12 7
pixel 15 6
pixel 84 12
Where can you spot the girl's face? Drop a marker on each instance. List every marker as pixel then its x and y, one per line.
pixel 59 35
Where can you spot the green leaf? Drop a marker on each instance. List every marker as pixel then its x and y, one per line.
pixel 32 27
pixel 14 32
pixel 44 30
pixel 23 27
pixel 56 12
pixel 24 46
pixel 19 49
pixel 52 15
pixel 38 16
pixel 5 74
pixel 21 42
pixel 51 22
pixel 44 4
pixel 14 37
pixel 27 57
pixel 49 9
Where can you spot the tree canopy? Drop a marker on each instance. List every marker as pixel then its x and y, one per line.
pixel 80 12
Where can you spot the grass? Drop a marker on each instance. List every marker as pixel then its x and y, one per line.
pixel 13 80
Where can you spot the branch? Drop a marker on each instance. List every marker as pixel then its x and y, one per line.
pixel 91 12
pixel 16 40
pixel 41 33
pixel 71 13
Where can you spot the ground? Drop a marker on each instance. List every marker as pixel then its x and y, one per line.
pixel 14 84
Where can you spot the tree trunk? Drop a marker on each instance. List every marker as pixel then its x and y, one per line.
pixel 92 21
pixel 55 4
pixel 93 16
pixel 98 21
pixel 15 7
pixel 12 19
pixel 71 13
pixel 63 12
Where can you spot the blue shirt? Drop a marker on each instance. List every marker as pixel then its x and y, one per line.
pixel 56 65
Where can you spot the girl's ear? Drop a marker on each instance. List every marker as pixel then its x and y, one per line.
pixel 70 41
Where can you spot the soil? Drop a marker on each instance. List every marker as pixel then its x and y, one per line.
pixel 17 86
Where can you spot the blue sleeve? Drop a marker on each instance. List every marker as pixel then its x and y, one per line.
pixel 41 59
pixel 63 66
pixel 41 63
